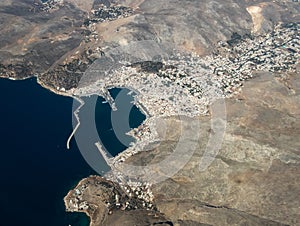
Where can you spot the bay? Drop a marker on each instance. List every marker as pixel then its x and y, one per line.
pixel 36 169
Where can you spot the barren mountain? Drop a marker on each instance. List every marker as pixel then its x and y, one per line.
pixel 254 178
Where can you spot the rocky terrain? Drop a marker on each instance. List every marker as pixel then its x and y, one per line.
pixel 256 172
pixel 254 179
pixel 54 41
pixel 252 49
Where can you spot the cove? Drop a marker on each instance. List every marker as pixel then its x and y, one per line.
pixel 112 126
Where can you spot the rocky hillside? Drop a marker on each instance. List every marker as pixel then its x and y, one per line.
pixel 254 179
pixel 58 40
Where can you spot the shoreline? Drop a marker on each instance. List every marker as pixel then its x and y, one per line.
pixel 69 194
pixel 74 97
pixel 175 70
pixel 111 197
pixel 140 97
pixel 36 101
pixel 88 212
pixel 78 98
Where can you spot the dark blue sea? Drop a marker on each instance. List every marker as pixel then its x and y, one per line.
pixel 36 168
pixel 113 125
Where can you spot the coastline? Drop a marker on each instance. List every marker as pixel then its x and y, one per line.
pixel 69 194
pixel 128 152
pixel 178 58
pixel 99 197
pixel 84 179
pixel 255 83
pixel 28 111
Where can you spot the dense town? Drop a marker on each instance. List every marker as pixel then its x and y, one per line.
pixel 185 84
pixel 166 82
pixel 179 84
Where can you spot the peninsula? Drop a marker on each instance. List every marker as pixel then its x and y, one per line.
pixel 218 81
